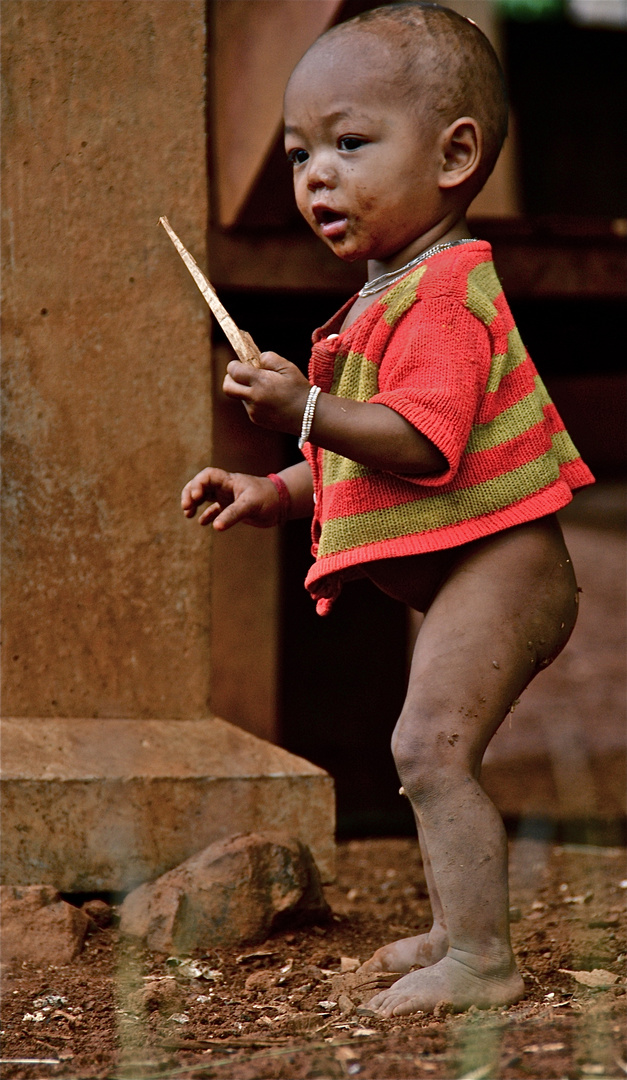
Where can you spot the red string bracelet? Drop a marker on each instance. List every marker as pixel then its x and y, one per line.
pixel 285 502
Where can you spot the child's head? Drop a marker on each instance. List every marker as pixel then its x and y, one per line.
pixel 397 117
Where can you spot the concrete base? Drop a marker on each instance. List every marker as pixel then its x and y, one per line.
pixel 103 805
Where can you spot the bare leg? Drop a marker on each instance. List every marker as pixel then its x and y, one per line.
pixel 391 576
pixel 507 607
pixel 423 949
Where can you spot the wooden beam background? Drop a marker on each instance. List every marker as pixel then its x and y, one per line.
pixel 256 44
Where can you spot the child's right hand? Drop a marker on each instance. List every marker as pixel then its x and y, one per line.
pixel 232 497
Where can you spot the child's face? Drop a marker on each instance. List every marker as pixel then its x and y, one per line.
pixel 366 164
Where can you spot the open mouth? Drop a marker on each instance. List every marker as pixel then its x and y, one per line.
pixel 332 222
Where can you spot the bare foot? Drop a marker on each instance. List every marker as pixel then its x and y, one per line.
pixel 410 952
pixel 454 982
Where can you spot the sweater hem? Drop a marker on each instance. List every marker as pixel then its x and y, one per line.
pixel 325 578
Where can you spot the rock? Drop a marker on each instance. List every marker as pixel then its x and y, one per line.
pixel 163 997
pixel 302 1022
pixel 99 912
pixel 260 981
pixel 235 892
pixel 359 986
pixel 349 963
pixel 597 979
pixel 37 925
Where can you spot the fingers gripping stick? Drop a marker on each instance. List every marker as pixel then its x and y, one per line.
pixel 242 342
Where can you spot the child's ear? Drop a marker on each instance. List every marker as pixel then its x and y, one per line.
pixel 462 147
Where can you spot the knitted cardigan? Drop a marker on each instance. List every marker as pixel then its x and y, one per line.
pixel 441 348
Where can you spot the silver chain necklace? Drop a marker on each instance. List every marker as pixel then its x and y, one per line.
pixel 379 283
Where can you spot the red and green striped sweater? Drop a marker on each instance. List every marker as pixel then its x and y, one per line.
pixel 441 348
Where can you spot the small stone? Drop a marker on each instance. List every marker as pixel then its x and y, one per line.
pixel 49 999
pixel 99 912
pixel 235 892
pixel 37 925
pixel 348 963
pixel 260 980
pixel 163 997
pixel 345 1005
pixel 597 979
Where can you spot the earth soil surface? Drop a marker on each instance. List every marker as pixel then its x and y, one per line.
pixel 280 1010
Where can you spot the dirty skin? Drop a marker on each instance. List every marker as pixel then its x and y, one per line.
pixel 496 612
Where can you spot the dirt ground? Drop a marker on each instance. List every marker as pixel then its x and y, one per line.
pixel 279 1011
pixel 273 1012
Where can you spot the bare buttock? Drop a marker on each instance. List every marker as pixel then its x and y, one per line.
pixel 521 575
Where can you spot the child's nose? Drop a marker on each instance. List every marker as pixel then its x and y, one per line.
pixel 320 174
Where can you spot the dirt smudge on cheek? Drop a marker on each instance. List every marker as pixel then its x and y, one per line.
pixel 362 202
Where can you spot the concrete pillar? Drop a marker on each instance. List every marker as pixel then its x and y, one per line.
pixel 113 769
pixel 106 359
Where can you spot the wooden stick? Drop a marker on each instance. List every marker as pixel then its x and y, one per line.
pixel 242 342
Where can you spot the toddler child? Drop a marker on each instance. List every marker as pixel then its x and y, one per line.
pixel 434 459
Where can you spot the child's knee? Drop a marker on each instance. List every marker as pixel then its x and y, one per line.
pixel 428 756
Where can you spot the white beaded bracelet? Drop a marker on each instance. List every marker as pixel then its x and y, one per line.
pixel 308 416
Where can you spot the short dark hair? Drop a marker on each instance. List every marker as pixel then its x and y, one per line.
pixel 453 59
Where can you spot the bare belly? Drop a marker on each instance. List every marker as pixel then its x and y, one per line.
pixel 416 579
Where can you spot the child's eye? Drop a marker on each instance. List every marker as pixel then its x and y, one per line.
pixel 297 157
pixel 350 142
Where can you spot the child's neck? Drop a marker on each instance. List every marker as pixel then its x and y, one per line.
pixel 454 227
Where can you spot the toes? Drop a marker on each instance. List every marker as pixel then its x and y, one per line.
pixel 379 1001
pixel 386 1005
pixel 394 1007
pixel 389 1005
pixel 407 1007
pixel 370 966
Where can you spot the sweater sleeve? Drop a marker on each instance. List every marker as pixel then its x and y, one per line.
pixel 434 373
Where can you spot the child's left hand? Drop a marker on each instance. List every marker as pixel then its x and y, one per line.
pixel 274 394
